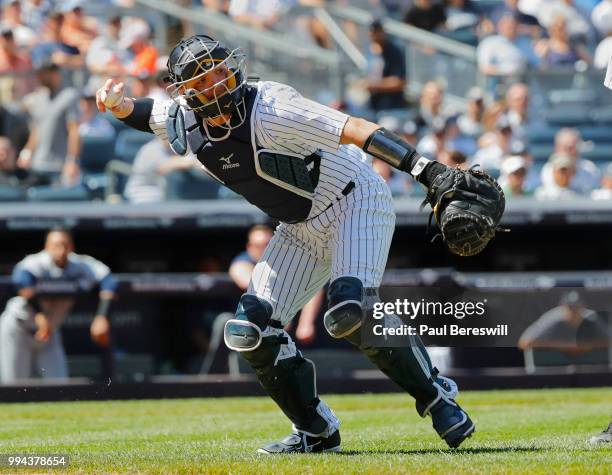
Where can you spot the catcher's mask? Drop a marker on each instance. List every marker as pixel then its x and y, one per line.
pixel 189 62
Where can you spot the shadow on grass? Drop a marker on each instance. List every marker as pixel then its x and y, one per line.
pixel 467 451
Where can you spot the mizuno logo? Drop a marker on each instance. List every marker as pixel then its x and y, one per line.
pixel 227 159
pixel 228 164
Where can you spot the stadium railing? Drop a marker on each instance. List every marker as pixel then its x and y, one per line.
pixel 317 72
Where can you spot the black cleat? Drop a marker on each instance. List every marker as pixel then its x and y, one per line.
pixel 604 438
pixel 452 423
pixel 298 442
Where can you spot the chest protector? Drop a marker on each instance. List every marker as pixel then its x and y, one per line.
pixel 281 184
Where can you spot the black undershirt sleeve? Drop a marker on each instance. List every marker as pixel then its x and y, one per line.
pixel 139 118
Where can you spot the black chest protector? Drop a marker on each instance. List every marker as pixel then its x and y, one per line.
pixel 281 184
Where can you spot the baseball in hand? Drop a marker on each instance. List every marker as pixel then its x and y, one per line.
pixel 113 97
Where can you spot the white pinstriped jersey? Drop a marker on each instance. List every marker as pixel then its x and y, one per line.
pixel 343 235
pixel 608 79
pixel 287 122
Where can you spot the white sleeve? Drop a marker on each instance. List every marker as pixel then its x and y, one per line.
pixel 159 116
pixel 289 118
pixel 96 267
pixel 608 80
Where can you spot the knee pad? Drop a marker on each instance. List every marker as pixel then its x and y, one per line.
pixel 244 333
pixel 345 297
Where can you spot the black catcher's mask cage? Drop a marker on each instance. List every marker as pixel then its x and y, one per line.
pixel 191 59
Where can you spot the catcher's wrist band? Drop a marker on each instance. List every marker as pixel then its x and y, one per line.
pixel 139 118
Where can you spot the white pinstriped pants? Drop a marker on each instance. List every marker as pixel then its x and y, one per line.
pixel 351 238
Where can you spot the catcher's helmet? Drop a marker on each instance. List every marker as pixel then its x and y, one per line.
pixel 191 59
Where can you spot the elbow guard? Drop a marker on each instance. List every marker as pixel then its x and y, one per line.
pixel 139 118
pixel 392 149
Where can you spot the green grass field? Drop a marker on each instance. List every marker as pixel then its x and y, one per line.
pixel 541 431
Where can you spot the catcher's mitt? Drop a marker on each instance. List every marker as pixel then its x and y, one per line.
pixel 467 205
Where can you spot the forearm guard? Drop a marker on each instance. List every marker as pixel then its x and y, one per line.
pixel 392 149
pixel 139 118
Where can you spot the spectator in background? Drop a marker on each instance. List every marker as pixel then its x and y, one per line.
pixel 602 19
pixel 605 191
pixel 568 143
pixel 557 50
pixel 91 122
pixel 105 57
pixel 10 175
pixel 14 125
pixel 426 14
pixel 500 55
pixel 431 105
pixel 434 141
pixel 13 61
pixel 453 159
pixel 221 6
pixel 54 146
pixel 35 12
pixel 77 29
pixel 30 336
pixel 563 170
pixel 528 25
pixel 243 264
pixel 52 46
pixel 470 123
pixel 396 182
pixel 494 146
pixel 577 22
pixel 460 15
pixel 147 85
pixel 152 164
pixel 444 136
pixel 513 176
pixel 492 114
pixel 25 37
pixel 135 38
pixel 141 85
pixel 386 79
pixel 257 13
pixel 601 16
pixel 517 101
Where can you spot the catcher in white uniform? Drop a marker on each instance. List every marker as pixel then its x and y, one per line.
pixel 304 165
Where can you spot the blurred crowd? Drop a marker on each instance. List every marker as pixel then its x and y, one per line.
pixel 54 145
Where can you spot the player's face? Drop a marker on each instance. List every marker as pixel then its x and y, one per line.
pixel 58 246
pixel 211 86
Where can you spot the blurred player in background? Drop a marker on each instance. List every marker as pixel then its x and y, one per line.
pixel 47 283
pixel 606 435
